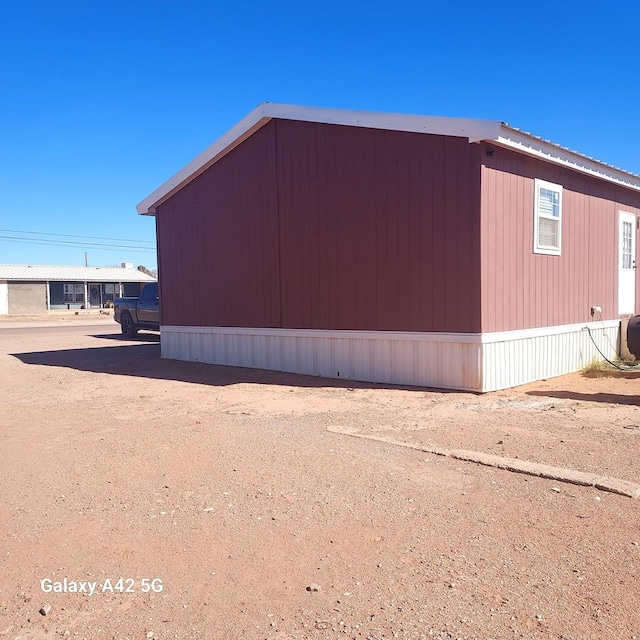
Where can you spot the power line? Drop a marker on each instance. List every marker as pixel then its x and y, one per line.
pixel 75 243
pixel 68 235
pixel 70 244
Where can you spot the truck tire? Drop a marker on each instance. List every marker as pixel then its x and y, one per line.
pixel 127 326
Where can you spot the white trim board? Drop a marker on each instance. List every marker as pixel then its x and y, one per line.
pixel 468 362
pixel 523 334
pixel 474 130
pixel 544 150
pixel 432 336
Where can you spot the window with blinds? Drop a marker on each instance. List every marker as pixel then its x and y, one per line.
pixel 547 217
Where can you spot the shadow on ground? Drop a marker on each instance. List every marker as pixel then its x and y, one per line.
pixel 609 398
pixel 144 361
pixel 139 337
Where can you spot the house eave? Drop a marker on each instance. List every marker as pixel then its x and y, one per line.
pixel 472 129
pixel 531 145
pixel 229 141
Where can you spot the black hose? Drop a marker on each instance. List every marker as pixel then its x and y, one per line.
pixel 613 364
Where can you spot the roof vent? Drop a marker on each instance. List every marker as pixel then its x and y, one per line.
pixel 127 265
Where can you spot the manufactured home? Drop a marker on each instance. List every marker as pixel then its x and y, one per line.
pixel 415 250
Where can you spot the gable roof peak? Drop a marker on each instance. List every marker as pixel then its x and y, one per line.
pixel 474 130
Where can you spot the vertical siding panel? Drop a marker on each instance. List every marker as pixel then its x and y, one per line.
pixel 574 226
pixel 269 238
pixel 321 318
pixel 381 160
pixel 425 274
pixel 497 253
pixel 460 225
pixel 282 170
pixel 575 288
pixel 333 218
pixel 324 301
pixel 366 280
pixel 527 248
pixel 452 234
pixel 486 221
pixel 593 278
pixel 505 251
pixel 402 198
pixel 375 300
pixel 391 206
pixel 519 254
pixel 470 219
pixel 313 257
pixel 414 264
pixel 438 244
pixel 582 219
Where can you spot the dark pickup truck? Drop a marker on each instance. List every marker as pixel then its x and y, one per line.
pixel 138 313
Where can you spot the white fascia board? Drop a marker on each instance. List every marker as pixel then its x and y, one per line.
pixel 473 130
pixel 543 150
pixel 241 131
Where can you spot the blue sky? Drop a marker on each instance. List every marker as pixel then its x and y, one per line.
pixel 103 101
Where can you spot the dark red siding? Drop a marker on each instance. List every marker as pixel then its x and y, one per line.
pixel 378 229
pixel 218 242
pixel 521 289
pixel 327 227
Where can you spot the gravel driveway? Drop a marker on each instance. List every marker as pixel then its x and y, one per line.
pixel 230 507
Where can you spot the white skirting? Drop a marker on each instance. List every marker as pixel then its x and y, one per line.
pixel 472 362
pixel 511 358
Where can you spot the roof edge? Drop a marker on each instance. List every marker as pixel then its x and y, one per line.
pixel 532 145
pixel 472 129
pixel 71 273
pixel 223 145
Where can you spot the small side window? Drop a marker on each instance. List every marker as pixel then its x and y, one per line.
pixel 547 218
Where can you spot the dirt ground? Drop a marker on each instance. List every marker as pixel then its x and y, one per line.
pixel 226 485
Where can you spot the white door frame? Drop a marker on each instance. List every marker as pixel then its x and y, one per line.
pixel 627 226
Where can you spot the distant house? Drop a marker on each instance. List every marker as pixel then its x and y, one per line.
pixel 416 250
pixel 38 288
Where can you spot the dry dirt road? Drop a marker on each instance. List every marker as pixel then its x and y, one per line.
pixel 227 487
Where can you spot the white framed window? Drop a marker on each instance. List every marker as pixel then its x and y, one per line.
pixel 73 292
pixel 547 218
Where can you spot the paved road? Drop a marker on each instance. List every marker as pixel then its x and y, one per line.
pixel 85 327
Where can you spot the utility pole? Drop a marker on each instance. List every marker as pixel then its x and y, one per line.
pixel 86 259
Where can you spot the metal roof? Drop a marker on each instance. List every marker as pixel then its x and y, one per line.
pixel 472 129
pixel 71 274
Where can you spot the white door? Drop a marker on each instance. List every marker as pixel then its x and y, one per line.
pixel 626 263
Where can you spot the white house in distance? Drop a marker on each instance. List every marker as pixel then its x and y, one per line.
pixel 39 288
